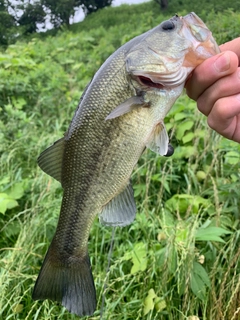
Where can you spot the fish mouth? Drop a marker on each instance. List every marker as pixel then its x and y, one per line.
pixel 163 80
pixel 149 83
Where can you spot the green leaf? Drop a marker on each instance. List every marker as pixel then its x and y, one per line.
pixel 179 116
pixel 5 180
pixel 161 257
pixel 139 189
pixel 149 301
pixel 181 202
pixel 138 256
pixel 18 308
pixel 16 191
pixel 197 286
pixel 232 157
pixel 160 304
pixel 211 234
pixel 18 103
pixel 188 137
pixel 183 127
pixel 172 260
pixel 184 152
pixel 199 280
pixel 182 232
pixel 202 273
pixel 6 202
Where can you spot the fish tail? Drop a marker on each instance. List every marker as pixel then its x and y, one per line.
pixel 70 283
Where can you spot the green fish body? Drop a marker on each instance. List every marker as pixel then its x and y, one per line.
pixel 120 114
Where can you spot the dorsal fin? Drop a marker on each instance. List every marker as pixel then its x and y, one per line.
pixel 50 160
pixel 121 210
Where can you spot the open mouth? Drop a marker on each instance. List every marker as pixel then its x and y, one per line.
pixel 163 80
pixel 149 83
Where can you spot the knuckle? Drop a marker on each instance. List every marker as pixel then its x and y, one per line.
pixel 203 106
pixel 211 122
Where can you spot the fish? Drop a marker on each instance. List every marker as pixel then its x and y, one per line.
pixel 120 114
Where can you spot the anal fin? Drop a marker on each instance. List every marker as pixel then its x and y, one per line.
pixel 121 210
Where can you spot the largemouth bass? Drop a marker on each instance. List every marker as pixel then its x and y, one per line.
pixel 120 113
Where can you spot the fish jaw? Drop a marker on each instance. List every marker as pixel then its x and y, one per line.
pixel 167 56
pixel 203 44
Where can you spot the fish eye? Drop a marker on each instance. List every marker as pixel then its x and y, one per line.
pixel 168 25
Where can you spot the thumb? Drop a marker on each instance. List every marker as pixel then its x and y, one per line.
pixel 210 71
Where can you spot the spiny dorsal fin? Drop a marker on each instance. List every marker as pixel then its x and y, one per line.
pixel 50 160
pixel 127 106
pixel 121 210
pixel 159 140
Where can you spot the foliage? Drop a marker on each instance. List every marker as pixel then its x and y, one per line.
pixel 32 15
pixel 60 10
pixel 7 25
pixel 162 3
pixel 90 6
pixel 27 15
pixel 215 6
pixel 180 259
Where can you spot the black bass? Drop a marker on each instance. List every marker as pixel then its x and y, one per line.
pixel 121 112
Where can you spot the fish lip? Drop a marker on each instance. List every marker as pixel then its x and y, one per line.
pixel 192 18
pixel 191 23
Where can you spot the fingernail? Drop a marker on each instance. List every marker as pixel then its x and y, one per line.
pixel 223 62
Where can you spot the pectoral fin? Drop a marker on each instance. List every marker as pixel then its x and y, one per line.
pixel 50 160
pixel 159 140
pixel 121 210
pixel 128 106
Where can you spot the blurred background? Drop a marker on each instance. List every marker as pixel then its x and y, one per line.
pixel 180 259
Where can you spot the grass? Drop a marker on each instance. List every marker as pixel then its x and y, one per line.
pixel 180 259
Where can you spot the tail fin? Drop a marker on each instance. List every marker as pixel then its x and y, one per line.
pixel 70 283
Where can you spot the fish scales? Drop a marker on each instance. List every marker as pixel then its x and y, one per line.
pixel 120 113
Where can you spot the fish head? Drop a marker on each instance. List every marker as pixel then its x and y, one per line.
pixel 164 56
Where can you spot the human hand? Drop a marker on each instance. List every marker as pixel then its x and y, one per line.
pixel 215 85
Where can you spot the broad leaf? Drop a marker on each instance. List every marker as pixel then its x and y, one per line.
pixel 211 234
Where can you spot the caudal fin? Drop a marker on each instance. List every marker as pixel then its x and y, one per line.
pixel 70 283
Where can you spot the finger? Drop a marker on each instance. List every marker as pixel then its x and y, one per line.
pixel 210 71
pixel 224 87
pixel 225 117
pixel 233 45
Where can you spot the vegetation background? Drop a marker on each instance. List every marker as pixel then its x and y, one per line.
pixel 180 259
